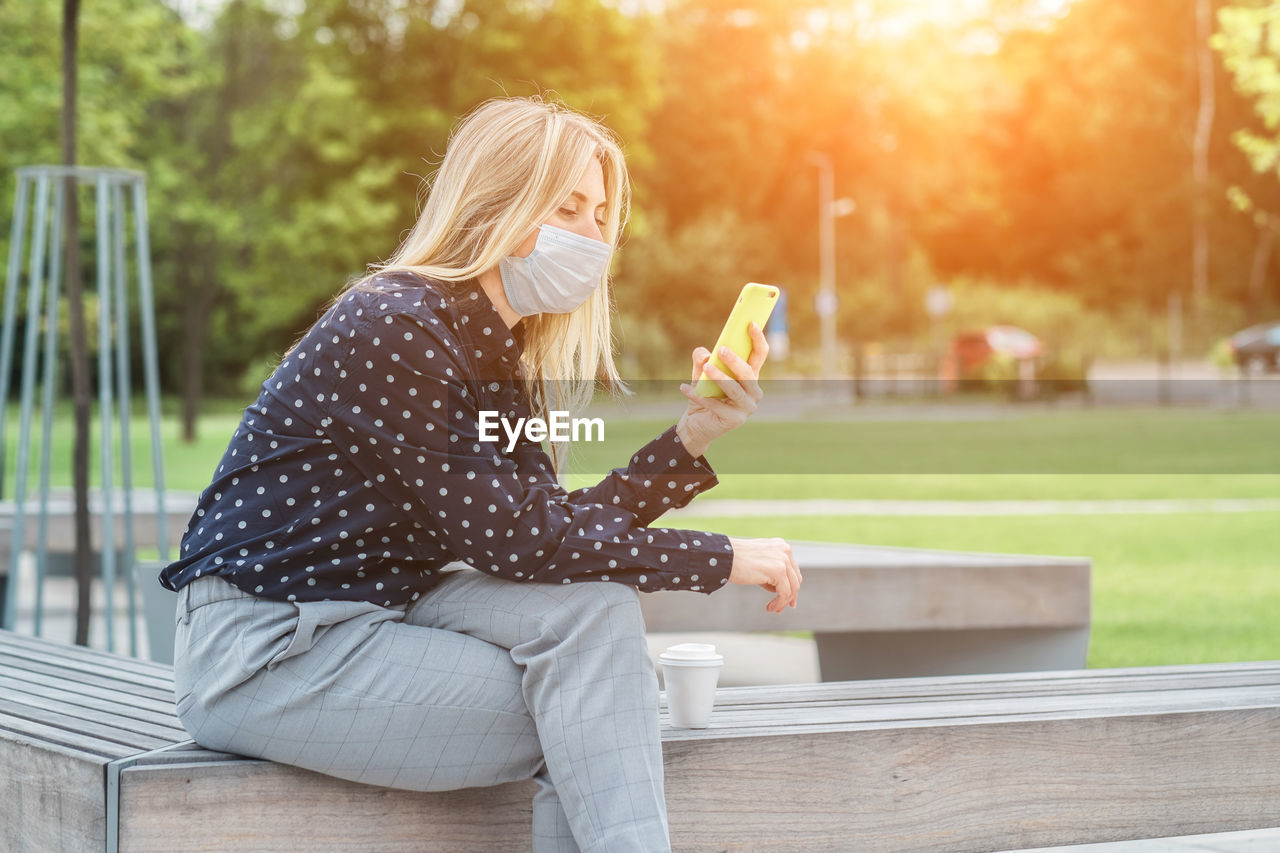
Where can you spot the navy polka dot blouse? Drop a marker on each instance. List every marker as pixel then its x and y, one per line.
pixel 359 471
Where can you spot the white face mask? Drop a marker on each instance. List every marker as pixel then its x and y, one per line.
pixel 561 272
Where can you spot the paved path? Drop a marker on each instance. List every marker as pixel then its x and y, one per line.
pixel 738 508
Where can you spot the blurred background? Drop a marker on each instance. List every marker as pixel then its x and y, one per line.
pixel 1099 175
pixel 948 192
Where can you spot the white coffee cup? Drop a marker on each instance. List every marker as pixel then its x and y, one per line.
pixel 690 672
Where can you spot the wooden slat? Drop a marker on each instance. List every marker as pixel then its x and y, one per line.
pixel 86 750
pixel 93 661
pixel 49 649
pixel 106 679
pixel 86 695
pixel 1012 684
pixel 58 737
pixel 12 712
pixel 71 669
pixel 792 720
pixel 114 716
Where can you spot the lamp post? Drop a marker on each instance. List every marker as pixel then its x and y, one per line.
pixel 828 210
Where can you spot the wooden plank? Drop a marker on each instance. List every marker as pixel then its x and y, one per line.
pixel 51 799
pixel 56 736
pixel 276 805
pixel 972 788
pixel 102 671
pixel 106 679
pixel 950 788
pixel 1180 677
pixel 86 750
pixel 85 695
pixel 874 588
pixel 965 706
pixel 726 700
pixel 123 667
pixel 115 716
pixel 13 713
pixel 50 649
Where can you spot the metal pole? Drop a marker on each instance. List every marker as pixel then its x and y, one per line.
pixel 104 404
pixel 46 405
pixel 34 294
pixel 147 314
pixel 17 237
pixel 827 258
pixel 123 396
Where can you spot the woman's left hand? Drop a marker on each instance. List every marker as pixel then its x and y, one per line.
pixel 708 418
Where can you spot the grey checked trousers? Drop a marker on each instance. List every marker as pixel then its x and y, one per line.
pixel 480 681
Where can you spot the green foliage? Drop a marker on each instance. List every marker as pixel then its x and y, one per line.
pixel 1249 41
pixel 1038 164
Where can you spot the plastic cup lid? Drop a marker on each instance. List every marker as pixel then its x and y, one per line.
pixel 691 652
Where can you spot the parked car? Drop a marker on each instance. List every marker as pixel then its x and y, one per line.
pixel 1257 348
pixel 993 357
pixel 985 353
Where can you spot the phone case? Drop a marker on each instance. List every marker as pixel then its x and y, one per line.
pixel 755 304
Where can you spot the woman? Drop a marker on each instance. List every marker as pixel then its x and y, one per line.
pixel 370 590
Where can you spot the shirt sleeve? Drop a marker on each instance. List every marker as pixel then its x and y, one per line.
pixel 404 415
pixel 663 475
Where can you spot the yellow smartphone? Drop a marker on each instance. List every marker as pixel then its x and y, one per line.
pixel 755 304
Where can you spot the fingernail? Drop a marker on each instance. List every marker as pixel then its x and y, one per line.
pixel 724 350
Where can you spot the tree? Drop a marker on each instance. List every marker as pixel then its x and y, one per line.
pixel 1249 41
pixel 75 295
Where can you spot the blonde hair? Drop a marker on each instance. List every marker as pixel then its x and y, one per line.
pixel 508 165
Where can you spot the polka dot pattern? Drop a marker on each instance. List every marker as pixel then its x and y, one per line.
pixel 358 472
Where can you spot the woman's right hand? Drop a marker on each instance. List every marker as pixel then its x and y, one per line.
pixel 770 564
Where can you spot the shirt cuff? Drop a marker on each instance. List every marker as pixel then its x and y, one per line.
pixel 709 564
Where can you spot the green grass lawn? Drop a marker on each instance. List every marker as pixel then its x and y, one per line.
pixel 1187 588
pixel 1119 441
pixel 1146 453
pixel 1167 589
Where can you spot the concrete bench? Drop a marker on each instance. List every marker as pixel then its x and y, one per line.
pixel 876 611
pixel 93 758
pixel 882 612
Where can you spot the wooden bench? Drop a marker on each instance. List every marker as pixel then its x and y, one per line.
pixel 93 758
pixel 882 612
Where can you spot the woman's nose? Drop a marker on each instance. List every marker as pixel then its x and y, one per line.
pixel 591 229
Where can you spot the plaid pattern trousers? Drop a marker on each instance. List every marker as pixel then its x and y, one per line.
pixel 480 681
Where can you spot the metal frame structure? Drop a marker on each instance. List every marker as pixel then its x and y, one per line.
pixel 37 236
